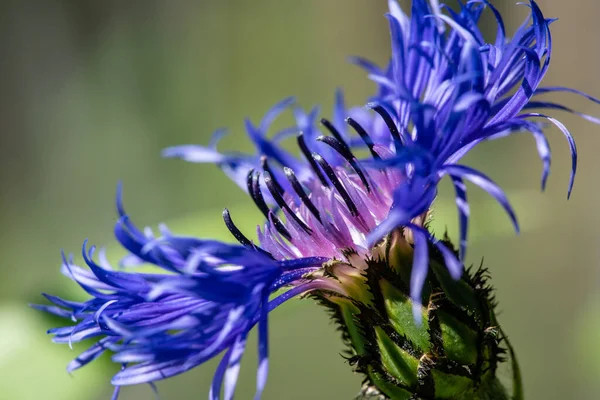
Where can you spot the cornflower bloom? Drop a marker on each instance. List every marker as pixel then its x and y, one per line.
pixel 352 233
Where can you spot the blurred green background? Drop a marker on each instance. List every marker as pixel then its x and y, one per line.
pixel 91 91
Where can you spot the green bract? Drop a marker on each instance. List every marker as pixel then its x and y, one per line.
pixel 455 352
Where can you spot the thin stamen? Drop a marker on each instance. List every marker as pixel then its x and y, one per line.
pixel 281 202
pixel 237 234
pixel 364 136
pixel 345 152
pixel 311 161
pixel 252 184
pixel 279 226
pixel 327 124
pixel 301 193
pixel 267 168
pixel 336 182
pixel 389 121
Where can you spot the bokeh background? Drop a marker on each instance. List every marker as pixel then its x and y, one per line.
pixel 91 91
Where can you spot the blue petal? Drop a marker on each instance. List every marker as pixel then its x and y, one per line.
pixel 418 274
pixel 194 153
pixel 479 179
pixel 274 112
pixel 464 212
pixel 263 350
pixel 570 140
pixel 217 382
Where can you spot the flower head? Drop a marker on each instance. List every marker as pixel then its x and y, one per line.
pixel 444 91
pixel 332 220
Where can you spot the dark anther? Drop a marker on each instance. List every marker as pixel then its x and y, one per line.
pixel 364 136
pixel 240 237
pixel 254 191
pixel 270 182
pixel 311 161
pixel 336 134
pixel 237 234
pixel 279 226
pixel 336 182
pixel 249 182
pixel 345 152
pixel 267 168
pixel 390 124
pixel 301 193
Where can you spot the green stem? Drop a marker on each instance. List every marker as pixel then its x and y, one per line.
pixel 516 370
pixel 488 390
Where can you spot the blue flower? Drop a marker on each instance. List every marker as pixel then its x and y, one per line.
pixel 444 91
pixel 206 300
